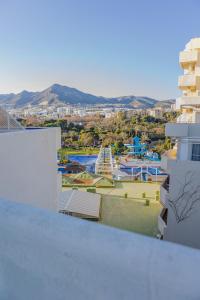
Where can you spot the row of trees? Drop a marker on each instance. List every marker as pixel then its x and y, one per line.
pixel 115 131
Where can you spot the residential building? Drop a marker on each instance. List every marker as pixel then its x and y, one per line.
pixel 156 112
pixel 28 163
pixel 180 194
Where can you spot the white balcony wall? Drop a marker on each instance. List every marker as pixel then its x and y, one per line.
pixel 161 225
pixel 163 195
pixel 188 57
pixel 28 164
pixel 51 256
pixel 183 220
pixel 188 80
pixel 182 130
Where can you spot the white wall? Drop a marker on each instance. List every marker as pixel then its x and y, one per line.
pixel 49 256
pixel 184 182
pixel 28 166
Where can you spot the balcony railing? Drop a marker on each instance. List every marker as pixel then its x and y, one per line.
pixel 182 129
pixel 164 191
pixel 189 81
pixel 51 256
pixel 162 221
pixel 187 57
pixel 166 184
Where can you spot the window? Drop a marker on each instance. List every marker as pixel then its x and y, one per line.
pixel 196 152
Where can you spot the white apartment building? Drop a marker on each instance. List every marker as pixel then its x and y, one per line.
pixel 156 112
pixel 28 163
pixel 180 194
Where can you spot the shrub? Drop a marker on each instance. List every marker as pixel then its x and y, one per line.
pixel 91 190
pixel 126 195
pixel 147 203
pixel 143 195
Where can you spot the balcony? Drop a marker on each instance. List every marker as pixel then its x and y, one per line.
pixel 164 192
pixel 162 220
pixel 188 57
pixel 186 82
pixel 189 101
pixel 182 130
pixel 51 256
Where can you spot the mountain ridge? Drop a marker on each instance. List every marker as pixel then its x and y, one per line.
pixel 58 94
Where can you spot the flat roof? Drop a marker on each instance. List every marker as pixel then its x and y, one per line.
pixel 80 202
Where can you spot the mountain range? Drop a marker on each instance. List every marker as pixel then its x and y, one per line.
pixel 58 95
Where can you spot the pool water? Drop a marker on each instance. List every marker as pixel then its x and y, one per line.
pixel 89 162
pixel 86 160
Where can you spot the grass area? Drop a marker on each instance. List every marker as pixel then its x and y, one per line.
pixel 129 214
pixel 81 151
pixel 134 190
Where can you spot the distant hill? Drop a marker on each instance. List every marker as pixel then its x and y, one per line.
pixel 58 94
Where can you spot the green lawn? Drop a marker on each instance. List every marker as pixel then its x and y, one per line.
pixel 81 151
pixel 129 214
pixel 134 190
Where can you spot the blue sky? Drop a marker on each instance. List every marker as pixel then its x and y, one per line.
pixel 105 47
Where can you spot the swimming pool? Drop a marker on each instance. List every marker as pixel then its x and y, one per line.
pixel 86 160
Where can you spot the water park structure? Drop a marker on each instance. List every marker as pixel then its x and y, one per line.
pixel 139 150
pixel 139 164
pixel 104 164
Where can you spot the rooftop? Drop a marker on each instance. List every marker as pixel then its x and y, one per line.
pixel 8 123
pixel 79 202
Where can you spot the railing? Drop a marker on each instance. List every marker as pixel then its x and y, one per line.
pixel 188 56
pixel 188 80
pixel 166 184
pixel 51 256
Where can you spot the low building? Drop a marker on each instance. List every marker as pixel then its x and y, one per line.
pixel 80 204
pixel 86 179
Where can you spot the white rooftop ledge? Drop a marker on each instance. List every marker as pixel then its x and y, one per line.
pixel 48 256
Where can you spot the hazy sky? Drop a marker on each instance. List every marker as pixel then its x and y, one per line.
pixel 106 47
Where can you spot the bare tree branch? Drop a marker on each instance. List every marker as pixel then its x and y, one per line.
pixel 184 203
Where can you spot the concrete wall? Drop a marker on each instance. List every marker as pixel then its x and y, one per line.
pixel 51 256
pixel 28 166
pixel 183 221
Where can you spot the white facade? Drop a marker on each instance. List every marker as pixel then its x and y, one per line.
pixel 179 220
pixel 28 166
pixel 156 112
